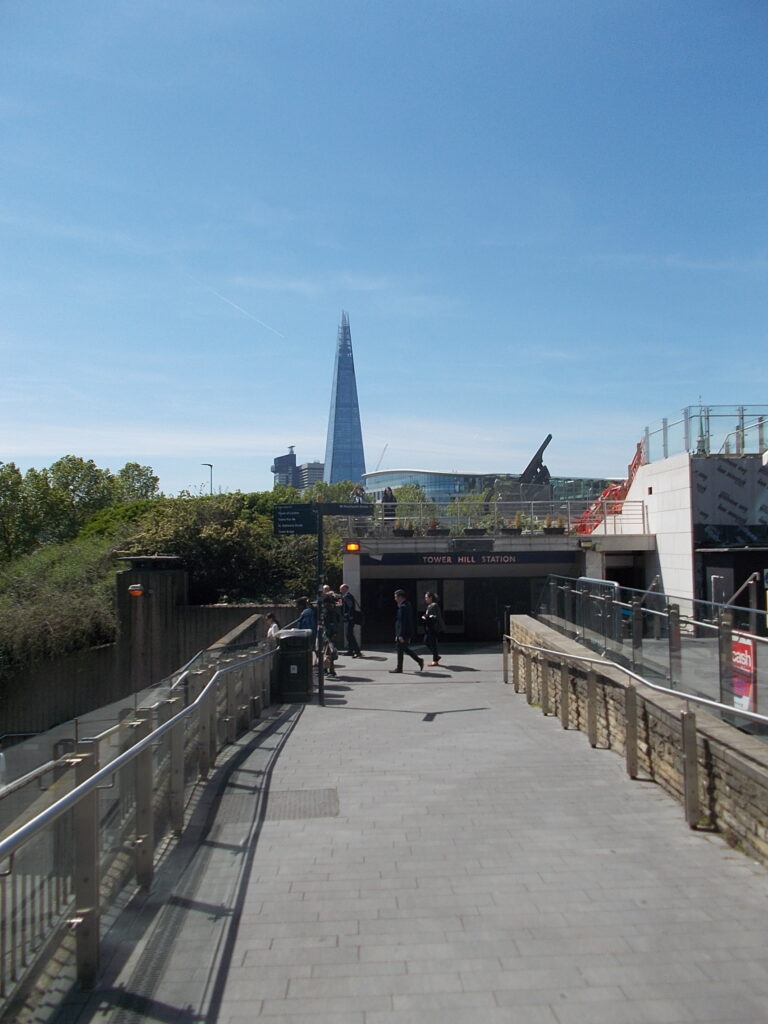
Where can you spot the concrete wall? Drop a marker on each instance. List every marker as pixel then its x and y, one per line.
pixel 156 638
pixel 665 487
pixel 732 766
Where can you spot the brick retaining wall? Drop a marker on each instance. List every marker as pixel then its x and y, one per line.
pixel 732 766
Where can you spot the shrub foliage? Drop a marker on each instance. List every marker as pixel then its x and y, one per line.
pixel 62 528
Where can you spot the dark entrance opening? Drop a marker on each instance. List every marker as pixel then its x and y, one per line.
pixel 473 609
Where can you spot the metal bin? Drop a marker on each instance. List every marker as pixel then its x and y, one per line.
pixel 294 665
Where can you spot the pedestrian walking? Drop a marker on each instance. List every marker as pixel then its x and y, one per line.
pixel 433 626
pixel 404 629
pixel 330 621
pixel 273 626
pixel 350 618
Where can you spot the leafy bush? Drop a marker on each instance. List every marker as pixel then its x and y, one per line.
pixel 57 600
pixel 60 597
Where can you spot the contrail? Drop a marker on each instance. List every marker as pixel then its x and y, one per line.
pixel 234 305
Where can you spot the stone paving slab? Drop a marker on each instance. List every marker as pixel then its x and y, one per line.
pixel 427 847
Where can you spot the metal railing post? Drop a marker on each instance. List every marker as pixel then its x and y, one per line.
pixel 176 771
pixel 230 720
pixel 564 695
pixel 608 630
pixel 675 650
pixel 85 826
pixel 592 707
pixel 145 819
pixel 544 685
pixel 637 634
pixel 505 659
pixel 529 677
pixel 568 606
pixel 690 769
pixel 630 730
pixel 212 710
pixel 204 729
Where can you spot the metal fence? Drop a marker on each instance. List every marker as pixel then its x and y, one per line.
pixel 718 652
pixel 500 518
pixel 95 816
pixel 709 429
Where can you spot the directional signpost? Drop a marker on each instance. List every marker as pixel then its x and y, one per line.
pixel 293 519
pixel 303 518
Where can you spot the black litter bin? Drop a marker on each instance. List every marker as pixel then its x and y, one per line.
pixel 294 665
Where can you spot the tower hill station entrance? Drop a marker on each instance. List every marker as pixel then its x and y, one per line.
pixel 477 577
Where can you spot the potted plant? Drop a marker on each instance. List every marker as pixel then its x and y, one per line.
pixel 550 529
pixel 402 531
pixel 474 531
pixel 513 527
pixel 434 529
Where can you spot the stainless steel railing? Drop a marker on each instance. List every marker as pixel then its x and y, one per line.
pixel 65 868
pixel 515 648
pixel 723 658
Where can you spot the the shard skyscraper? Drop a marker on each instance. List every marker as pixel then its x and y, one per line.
pixel 344 457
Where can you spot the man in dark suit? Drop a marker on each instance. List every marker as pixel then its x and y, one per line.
pixel 348 610
pixel 404 627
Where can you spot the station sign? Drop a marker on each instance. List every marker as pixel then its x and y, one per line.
pixel 290 520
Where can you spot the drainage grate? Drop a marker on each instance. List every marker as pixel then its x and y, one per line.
pixel 288 804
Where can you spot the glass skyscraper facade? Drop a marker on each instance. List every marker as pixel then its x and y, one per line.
pixel 344 456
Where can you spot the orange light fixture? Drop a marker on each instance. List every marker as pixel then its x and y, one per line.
pixel 352 547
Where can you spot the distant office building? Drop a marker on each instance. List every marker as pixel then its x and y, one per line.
pixel 284 468
pixel 535 483
pixel 344 456
pixel 446 487
pixel 309 473
pixel 288 474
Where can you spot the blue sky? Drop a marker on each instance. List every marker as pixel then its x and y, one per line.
pixel 542 216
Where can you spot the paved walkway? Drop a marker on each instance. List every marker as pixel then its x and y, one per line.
pixel 428 848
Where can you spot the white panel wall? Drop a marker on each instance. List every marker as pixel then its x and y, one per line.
pixel 665 487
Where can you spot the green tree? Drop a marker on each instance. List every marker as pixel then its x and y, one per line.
pixel 77 489
pixel 340 492
pixel 16 536
pixel 135 483
pixel 414 507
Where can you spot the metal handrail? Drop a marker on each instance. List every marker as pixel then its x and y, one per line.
pixel 35 773
pixel 752 715
pixel 752 578
pixel 17 839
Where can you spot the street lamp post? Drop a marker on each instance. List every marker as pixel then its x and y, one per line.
pixel 210 467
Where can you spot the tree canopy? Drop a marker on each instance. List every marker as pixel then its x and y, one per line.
pixel 52 505
pixel 61 529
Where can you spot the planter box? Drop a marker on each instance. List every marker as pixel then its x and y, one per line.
pixel 473 532
pixel 402 533
pixel 438 533
pixel 512 531
pixel 553 530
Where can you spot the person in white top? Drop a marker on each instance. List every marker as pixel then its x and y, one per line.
pixel 273 626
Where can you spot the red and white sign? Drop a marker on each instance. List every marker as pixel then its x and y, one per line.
pixel 744 675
